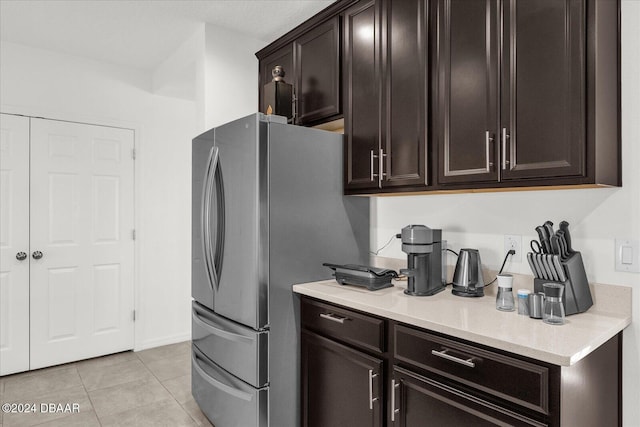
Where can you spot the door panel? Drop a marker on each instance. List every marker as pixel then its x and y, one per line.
pixel 467 90
pixel 82 222
pixel 202 286
pixel 406 93
pixel 362 81
pixel 543 115
pixel 240 291
pixel 317 56
pixel 340 386
pixel 14 238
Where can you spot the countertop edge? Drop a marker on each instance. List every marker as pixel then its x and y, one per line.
pixel 619 323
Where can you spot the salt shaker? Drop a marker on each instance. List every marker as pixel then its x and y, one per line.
pixel 523 301
pixel 504 300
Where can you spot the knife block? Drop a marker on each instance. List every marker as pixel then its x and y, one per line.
pixel 577 295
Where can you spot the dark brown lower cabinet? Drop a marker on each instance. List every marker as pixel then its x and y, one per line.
pixel 363 370
pixel 419 401
pixel 341 386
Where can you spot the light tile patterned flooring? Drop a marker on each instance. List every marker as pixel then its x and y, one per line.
pixel 146 388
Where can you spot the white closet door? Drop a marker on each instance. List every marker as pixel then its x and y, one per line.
pixel 81 222
pixel 14 238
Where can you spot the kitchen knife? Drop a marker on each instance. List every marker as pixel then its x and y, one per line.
pixel 548 225
pixel 555 245
pixel 564 226
pixel 533 267
pixel 552 267
pixel 541 269
pixel 559 268
pixel 547 267
pixel 544 239
pixel 564 253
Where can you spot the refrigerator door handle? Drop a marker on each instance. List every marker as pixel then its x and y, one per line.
pixel 216 330
pixel 216 383
pixel 213 180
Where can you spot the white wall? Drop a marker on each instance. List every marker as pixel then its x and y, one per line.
pixel 230 77
pixel 596 216
pixel 52 85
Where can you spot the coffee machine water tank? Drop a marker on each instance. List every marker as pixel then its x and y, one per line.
pixel 423 246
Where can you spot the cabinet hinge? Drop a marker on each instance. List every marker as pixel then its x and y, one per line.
pixel 133 234
pixel 133 153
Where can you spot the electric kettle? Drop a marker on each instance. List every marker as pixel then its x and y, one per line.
pixel 467 277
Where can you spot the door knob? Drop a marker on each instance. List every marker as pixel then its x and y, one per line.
pixel 21 256
pixel 37 255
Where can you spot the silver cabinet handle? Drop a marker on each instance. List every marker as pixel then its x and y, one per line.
pixel 443 354
pixel 373 156
pixel 381 172
pixel 333 317
pixel 371 398
pixel 21 256
pixel 488 141
pixel 504 148
pixel 394 411
pixel 37 255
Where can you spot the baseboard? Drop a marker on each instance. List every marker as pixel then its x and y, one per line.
pixel 173 339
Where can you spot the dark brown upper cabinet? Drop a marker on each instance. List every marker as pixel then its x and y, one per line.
pixel 461 94
pixel 466 124
pixel 523 99
pixel 361 77
pixel 386 107
pixel 543 113
pixel 405 93
pixel 317 58
pixel 311 57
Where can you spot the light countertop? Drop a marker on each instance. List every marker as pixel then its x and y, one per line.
pixel 477 320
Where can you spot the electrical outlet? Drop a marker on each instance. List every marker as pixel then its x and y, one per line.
pixel 512 241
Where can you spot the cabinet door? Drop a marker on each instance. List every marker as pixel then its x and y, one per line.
pixel 406 93
pixel 282 57
pixel 317 58
pixel 467 100
pixel 416 399
pixel 543 89
pixel 361 80
pixel 340 386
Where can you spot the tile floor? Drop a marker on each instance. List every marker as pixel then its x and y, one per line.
pixel 146 388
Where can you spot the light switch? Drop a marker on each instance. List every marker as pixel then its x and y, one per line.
pixel 627 255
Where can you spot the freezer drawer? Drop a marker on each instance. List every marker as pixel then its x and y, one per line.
pixel 239 350
pixel 224 399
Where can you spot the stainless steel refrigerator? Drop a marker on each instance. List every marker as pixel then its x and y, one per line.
pixel 267 211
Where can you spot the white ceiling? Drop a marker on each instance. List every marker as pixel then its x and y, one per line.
pixel 142 33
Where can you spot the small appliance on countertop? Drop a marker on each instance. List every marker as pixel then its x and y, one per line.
pixel 553 260
pixel 423 247
pixel 467 276
pixel 372 278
